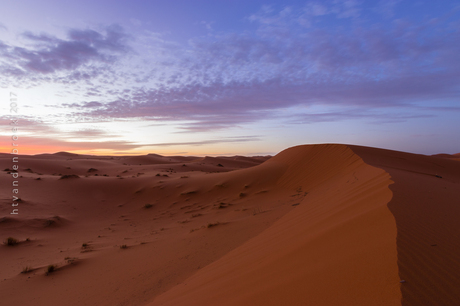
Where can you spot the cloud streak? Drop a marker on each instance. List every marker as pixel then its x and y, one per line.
pixel 207 142
pixel 47 54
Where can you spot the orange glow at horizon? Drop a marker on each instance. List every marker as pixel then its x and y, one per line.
pixel 46 149
pixel 50 149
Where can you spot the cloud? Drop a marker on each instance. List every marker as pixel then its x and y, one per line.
pixel 49 54
pixel 346 8
pixel 88 133
pixel 83 105
pixel 375 116
pixel 55 145
pixel 33 127
pixel 387 7
pixel 207 142
pixel 229 79
pixel 28 125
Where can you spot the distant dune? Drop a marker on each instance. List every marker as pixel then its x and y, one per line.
pixel 450 156
pixel 314 225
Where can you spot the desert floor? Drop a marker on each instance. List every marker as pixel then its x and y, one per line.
pixel 322 224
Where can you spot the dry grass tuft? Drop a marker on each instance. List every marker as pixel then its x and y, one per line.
pixel 26 269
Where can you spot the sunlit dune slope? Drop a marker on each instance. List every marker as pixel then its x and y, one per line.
pixel 337 247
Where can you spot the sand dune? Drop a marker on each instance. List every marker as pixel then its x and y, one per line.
pixel 449 156
pixel 313 225
pixel 425 207
pixel 338 247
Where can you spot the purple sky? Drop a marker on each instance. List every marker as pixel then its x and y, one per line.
pixel 230 77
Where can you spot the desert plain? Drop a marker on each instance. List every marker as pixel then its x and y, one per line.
pixel 326 224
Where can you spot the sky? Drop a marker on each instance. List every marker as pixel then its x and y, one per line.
pixel 228 77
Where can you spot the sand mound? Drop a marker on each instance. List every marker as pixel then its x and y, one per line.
pixel 43 222
pixel 66 154
pixel 147 160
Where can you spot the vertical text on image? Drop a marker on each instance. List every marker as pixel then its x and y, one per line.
pixel 14 151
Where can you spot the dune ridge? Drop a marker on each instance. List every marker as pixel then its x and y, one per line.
pixel 425 207
pixel 338 247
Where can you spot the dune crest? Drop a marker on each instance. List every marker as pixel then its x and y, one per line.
pixel 426 209
pixel 338 247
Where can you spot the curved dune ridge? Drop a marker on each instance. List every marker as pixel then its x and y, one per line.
pixel 426 208
pixel 322 224
pixel 338 247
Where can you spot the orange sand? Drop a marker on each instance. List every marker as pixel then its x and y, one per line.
pixel 314 225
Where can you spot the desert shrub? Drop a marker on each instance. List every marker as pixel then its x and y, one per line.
pixel 123 246
pixel 26 269
pixel 70 260
pixel 11 241
pixel 68 176
pixel 50 269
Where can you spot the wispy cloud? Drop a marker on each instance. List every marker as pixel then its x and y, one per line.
pixel 46 54
pixel 54 144
pixel 207 142
pixel 377 117
pixel 34 127
pixel 228 79
pixel 387 7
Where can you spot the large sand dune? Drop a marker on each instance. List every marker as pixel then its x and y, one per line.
pixel 313 225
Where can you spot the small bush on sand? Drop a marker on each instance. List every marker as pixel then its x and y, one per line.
pixel 123 246
pixel 50 269
pixel 213 224
pixel 26 269
pixel 69 176
pixel 148 205
pixel 70 260
pixel 11 241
